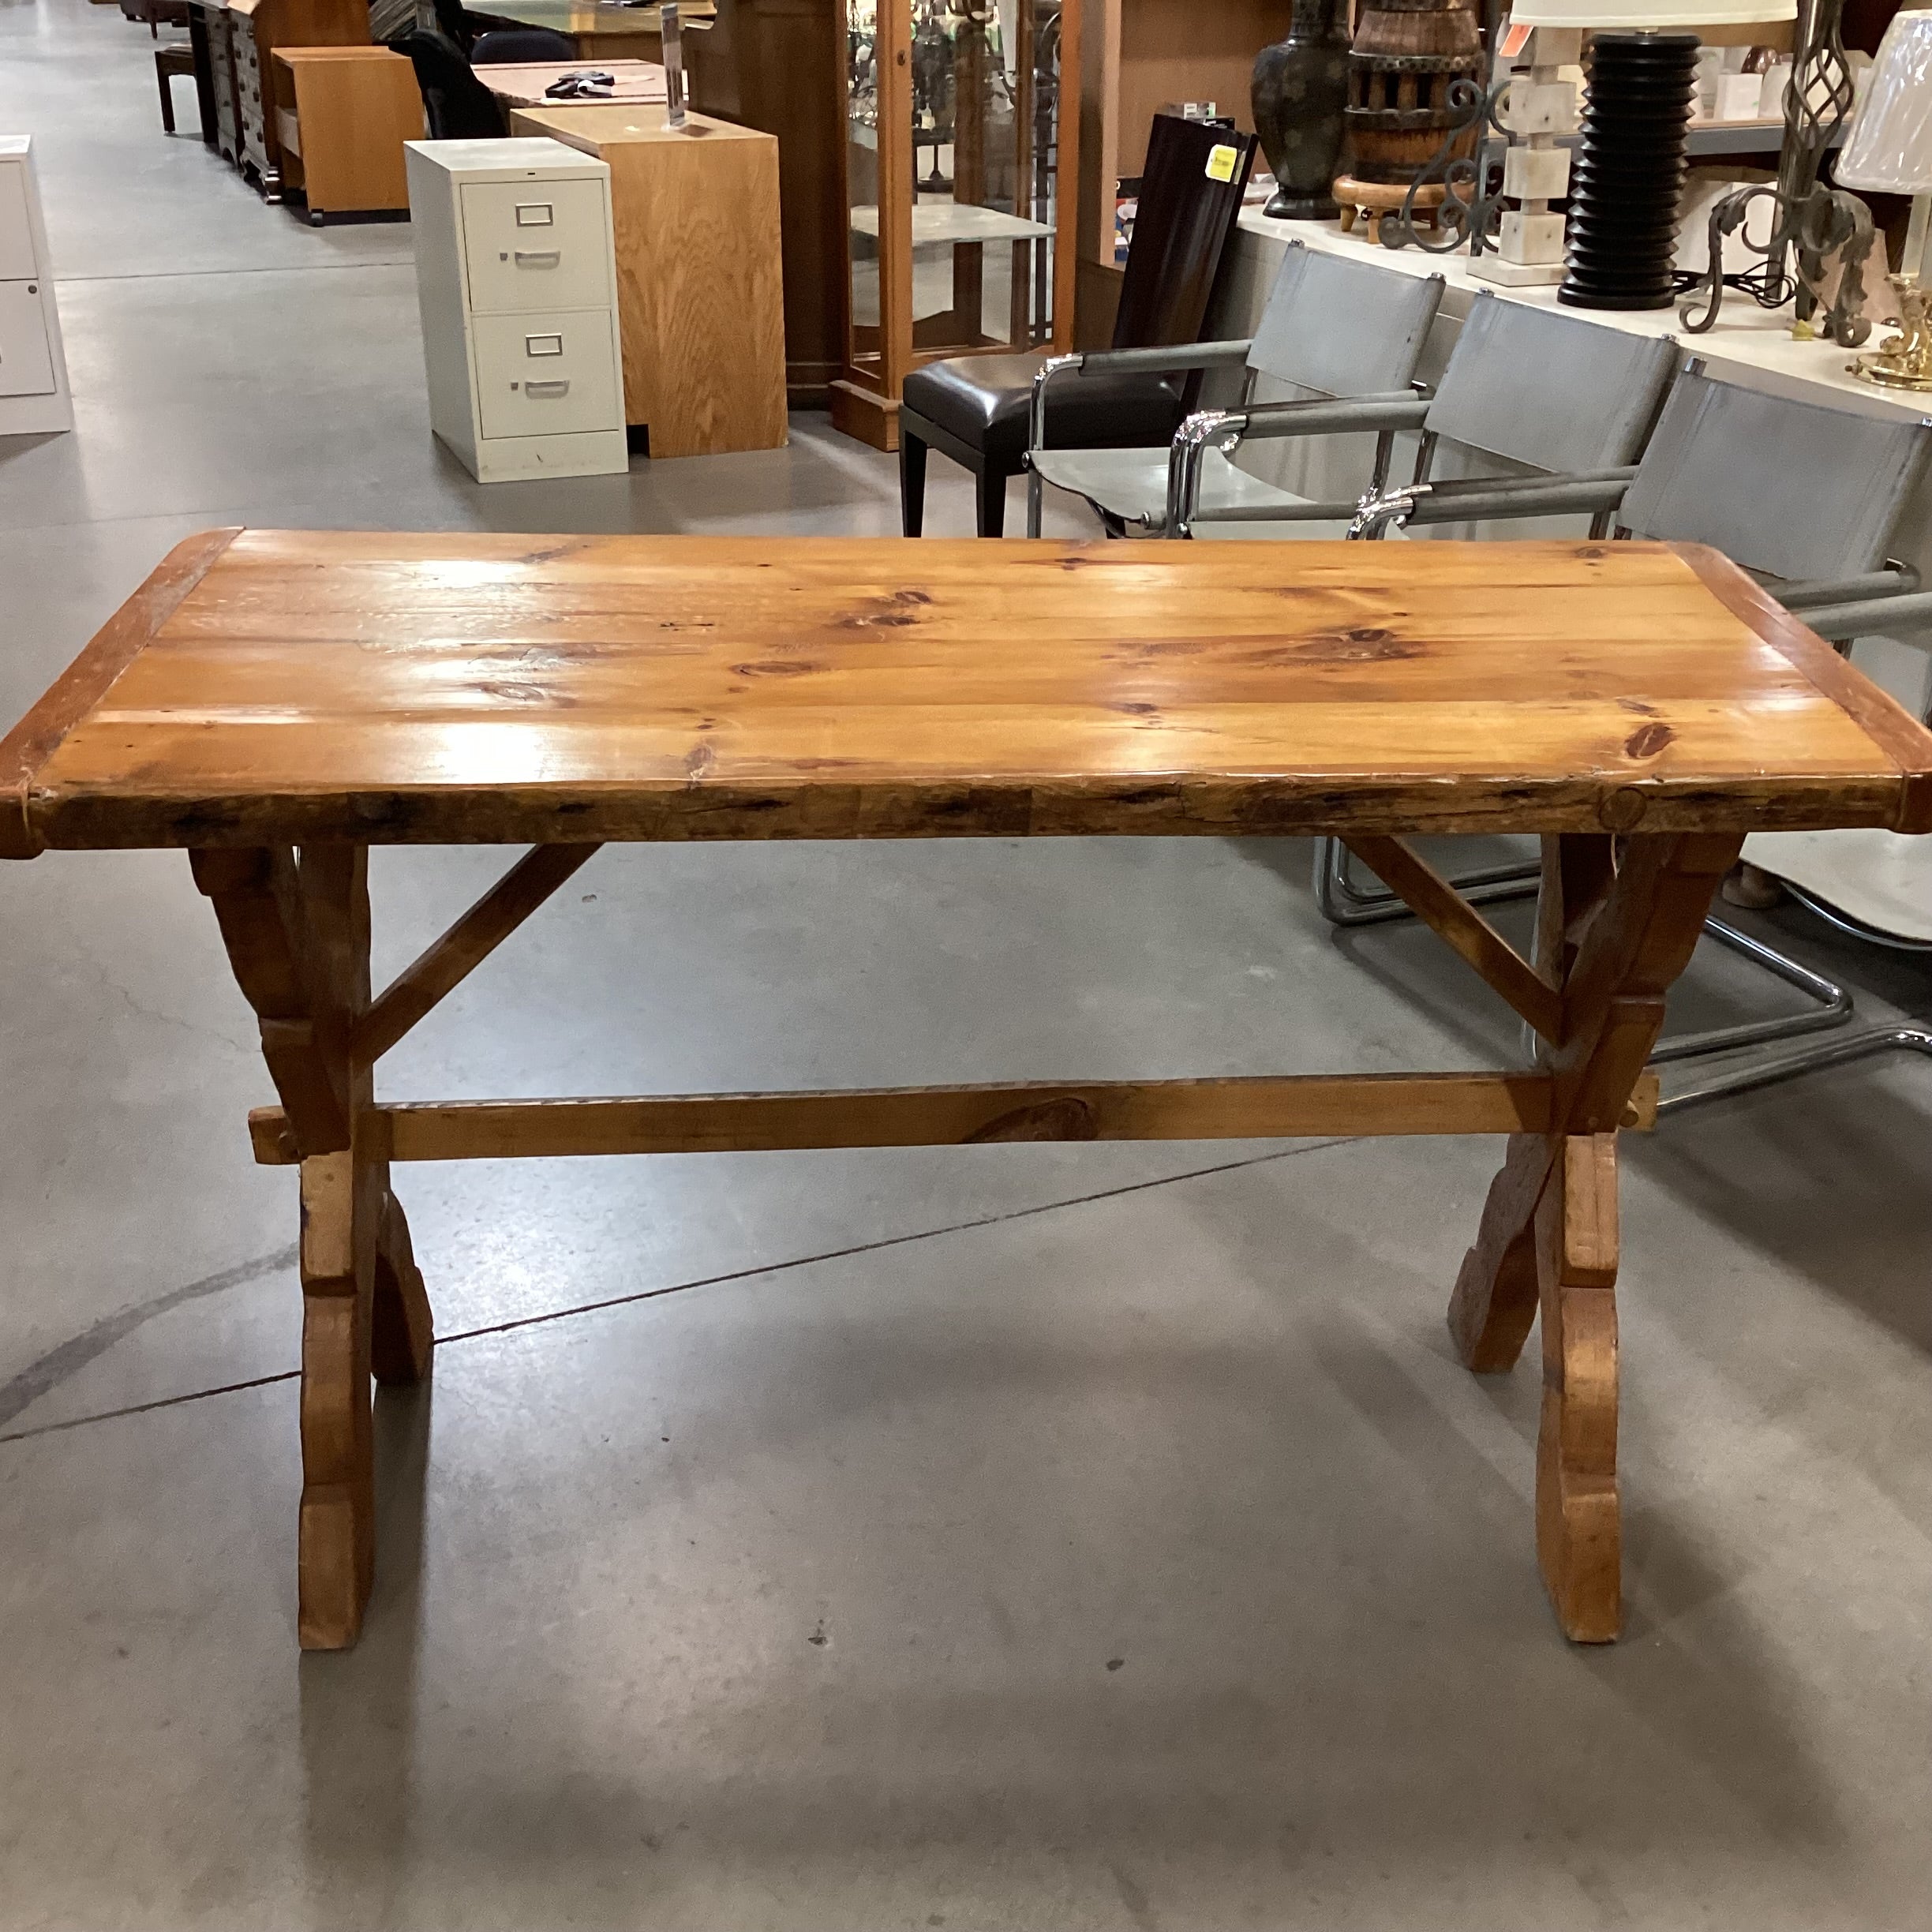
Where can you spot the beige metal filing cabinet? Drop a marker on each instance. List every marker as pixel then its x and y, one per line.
pixel 517 279
pixel 33 369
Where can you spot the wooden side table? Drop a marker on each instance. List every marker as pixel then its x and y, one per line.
pixel 700 284
pixel 343 115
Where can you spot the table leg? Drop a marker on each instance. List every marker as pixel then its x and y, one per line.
pixel 1495 1302
pixel 1578 1536
pixel 297 935
pixel 403 1334
pixel 1614 934
pixel 336 1563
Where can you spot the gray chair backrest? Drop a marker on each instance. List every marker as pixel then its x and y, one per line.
pixel 1793 489
pixel 1341 327
pixel 1548 391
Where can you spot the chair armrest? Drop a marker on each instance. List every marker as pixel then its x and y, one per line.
pixel 1805 593
pixel 1226 428
pixel 1173 356
pixel 1152 361
pixel 1489 499
pixel 1468 498
pixel 1314 416
pixel 1869 617
pixel 1336 415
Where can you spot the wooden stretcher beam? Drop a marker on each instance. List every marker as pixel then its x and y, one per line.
pixel 1434 901
pixel 431 977
pixel 1284 1108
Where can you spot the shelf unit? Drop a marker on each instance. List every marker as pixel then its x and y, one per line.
pixel 973 254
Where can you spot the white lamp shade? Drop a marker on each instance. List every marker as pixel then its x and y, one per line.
pixel 1889 147
pixel 1643 16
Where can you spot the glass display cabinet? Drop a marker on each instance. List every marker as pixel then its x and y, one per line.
pixel 958 239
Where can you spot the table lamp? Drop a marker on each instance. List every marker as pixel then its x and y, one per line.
pixel 1888 150
pixel 1629 172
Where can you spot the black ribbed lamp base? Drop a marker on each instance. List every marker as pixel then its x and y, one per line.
pixel 1629 172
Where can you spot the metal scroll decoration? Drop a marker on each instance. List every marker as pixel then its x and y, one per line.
pixel 1468 212
pixel 1826 225
pixel 1811 226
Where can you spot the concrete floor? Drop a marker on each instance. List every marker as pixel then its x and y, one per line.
pixel 1073 1537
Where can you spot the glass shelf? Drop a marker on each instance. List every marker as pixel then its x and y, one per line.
pixel 935 222
pixel 955 152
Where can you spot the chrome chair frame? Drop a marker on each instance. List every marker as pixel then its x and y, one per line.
pixel 1908 1037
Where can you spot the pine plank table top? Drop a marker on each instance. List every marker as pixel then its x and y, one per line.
pixel 467 688
pixel 278 701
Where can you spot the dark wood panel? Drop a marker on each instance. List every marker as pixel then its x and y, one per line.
pixel 774 65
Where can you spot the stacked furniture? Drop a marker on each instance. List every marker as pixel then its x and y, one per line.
pixel 33 369
pixel 517 286
pixel 234 43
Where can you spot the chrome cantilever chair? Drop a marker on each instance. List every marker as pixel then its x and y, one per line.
pixel 1557 408
pixel 1346 335
pixel 1554 404
pixel 1805 497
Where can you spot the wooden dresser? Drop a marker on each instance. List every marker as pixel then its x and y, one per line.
pixel 234 42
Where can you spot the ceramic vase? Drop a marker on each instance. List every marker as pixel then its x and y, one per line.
pixel 1301 87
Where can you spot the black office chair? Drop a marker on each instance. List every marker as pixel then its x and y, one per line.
pixel 974 409
pixel 457 23
pixel 501 46
pixel 456 104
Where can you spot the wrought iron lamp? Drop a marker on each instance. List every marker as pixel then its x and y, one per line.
pixel 1889 150
pixel 1811 224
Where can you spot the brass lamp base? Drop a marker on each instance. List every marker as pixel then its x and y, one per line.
pixel 1905 362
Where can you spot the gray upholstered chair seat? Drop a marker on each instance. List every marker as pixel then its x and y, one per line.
pixel 1132 485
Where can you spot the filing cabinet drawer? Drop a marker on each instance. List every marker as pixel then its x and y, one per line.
pixel 536 244
pixel 26 361
pixel 547 375
pixel 16 254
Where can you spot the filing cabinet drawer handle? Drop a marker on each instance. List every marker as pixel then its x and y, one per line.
pixel 538 258
pixel 560 387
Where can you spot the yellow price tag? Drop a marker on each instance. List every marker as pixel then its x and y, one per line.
pixel 1221 163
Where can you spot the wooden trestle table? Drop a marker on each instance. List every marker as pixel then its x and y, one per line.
pixel 277 702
